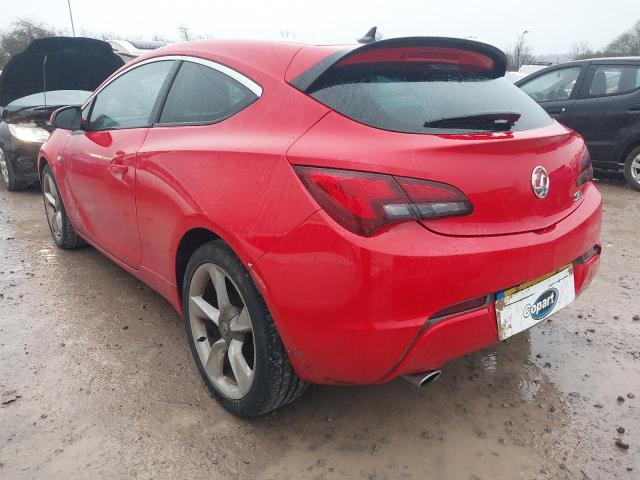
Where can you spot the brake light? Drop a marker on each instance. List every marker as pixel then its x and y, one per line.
pixel 585 169
pixel 364 202
pixel 464 60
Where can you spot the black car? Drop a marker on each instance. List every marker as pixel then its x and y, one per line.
pixel 600 99
pixel 48 74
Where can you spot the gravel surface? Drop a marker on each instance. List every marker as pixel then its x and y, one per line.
pixel 96 381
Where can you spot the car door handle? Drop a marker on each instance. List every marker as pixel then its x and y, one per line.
pixel 557 110
pixel 118 167
pixel 635 108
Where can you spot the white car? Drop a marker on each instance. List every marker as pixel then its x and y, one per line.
pixel 513 77
pixel 529 69
pixel 130 49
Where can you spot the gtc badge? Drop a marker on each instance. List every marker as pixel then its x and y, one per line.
pixel 540 182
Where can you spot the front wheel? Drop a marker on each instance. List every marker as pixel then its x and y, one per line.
pixel 232 337
pixel 60 226
pixel 8 175
pixel 632 169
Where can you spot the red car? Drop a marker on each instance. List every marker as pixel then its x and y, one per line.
pixel 334 215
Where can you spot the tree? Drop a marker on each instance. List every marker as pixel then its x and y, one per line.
pixel 105 36
pixel 160 38
pixel 185 32
pixel 581 50
pixel 627 44
pixel 520 53
pixel 287 34
pixel 187 36
pixel 19 35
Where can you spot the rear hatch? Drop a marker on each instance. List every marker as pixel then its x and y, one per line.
pixel 440 110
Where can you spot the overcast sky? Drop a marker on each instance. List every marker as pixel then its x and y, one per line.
pixel 554 24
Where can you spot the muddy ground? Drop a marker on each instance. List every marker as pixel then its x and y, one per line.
pixel 105 386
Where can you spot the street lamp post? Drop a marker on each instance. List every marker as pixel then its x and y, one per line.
pixel 520 51
pixel 73 28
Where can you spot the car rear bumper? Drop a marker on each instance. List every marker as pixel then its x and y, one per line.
pixel 439 342
pixel 355 310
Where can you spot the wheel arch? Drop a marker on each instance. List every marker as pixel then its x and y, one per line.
pixel 627 149
pixel 42 161
pixel 190 241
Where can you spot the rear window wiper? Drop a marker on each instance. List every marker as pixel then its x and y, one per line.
pixel 495 121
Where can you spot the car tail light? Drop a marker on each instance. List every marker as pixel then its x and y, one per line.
pixel 585 171
pixel 364 202
pixel 435 200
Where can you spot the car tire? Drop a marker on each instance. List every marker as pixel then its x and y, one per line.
pixel 241 358
pixel 60 226
pixel 632 169
pixel 8 175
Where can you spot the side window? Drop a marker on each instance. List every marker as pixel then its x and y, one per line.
pixel 200 94
pixel 128 101
pixel 553 86
pixel 614 80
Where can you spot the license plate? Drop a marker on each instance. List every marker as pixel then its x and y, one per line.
pixel 521 307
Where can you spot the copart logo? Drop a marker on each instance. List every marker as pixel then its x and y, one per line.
pixel 543 305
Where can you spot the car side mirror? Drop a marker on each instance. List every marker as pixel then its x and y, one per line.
pixel 67 118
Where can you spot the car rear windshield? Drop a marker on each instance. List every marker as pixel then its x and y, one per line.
pixel 427 99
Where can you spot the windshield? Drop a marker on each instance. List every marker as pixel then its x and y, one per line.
pixel 413 101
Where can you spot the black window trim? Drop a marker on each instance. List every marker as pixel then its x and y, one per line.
pixel 249 84
pixel 590 73
pixel 158 106
pixel 92 99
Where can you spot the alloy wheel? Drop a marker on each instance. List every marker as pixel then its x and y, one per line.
pixel 635 169
pixel 222 331
pixel 4 170
pixel 52 205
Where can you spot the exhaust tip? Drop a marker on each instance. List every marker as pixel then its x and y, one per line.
pixel 422 379
pixel 430 377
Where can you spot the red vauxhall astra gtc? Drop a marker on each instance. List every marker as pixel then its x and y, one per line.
pixel 336 215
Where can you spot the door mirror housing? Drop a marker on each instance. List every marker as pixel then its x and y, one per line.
pixel 67 118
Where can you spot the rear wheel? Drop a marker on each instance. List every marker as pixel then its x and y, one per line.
pixel 632 169
pixel 60 226
pixel 232 337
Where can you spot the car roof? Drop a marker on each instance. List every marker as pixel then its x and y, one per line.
pixel 615 59
pixel 257 58
pixel 598 61
pixel 274 60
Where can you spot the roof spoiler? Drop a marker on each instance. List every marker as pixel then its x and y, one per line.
pixel 475 56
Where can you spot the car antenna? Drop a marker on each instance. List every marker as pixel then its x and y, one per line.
pixel 44 81
pixel 370 36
